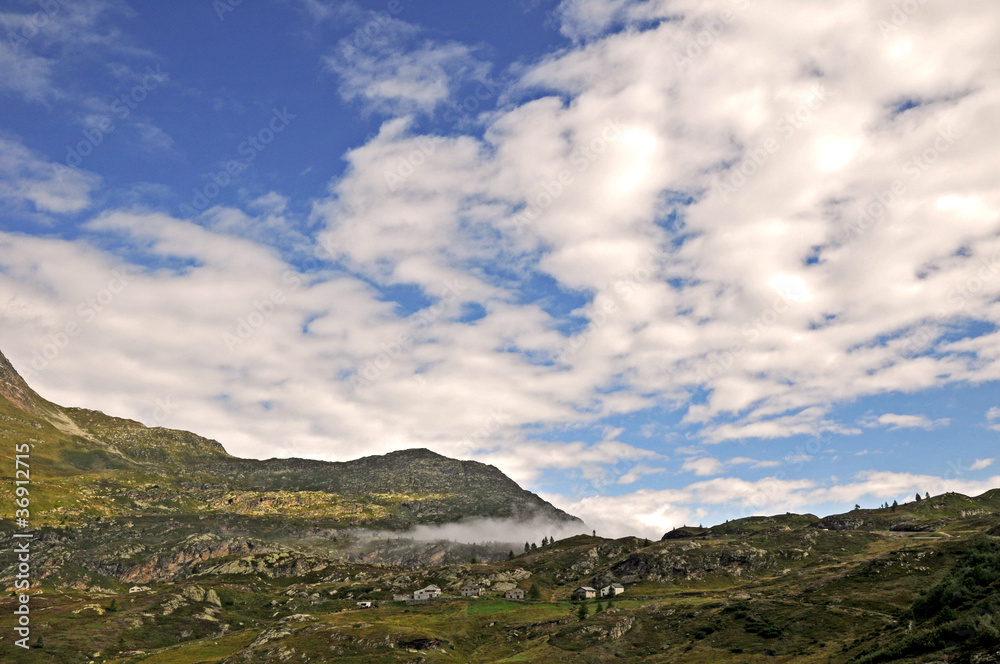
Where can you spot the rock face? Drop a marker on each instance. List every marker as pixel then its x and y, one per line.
pixel 910 527
pixel 688 562
pixel 840 523
pixel 14 389
pixel 168 565
pixel 676 534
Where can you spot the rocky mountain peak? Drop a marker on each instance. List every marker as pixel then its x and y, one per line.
pixel 15 389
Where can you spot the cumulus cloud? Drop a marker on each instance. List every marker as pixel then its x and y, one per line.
pixel 637 472
pixel 24 73
pixel 582 19
pixel 41 41
pixel 774 169
pixel 894 422
pixel 703 466
pixel 650 513
pixel 981 464
pixel 27 176
pixel 390 68
pixel 993 418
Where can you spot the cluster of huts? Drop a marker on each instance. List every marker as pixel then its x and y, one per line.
pixel 422 595
pixel 517 594
pixel 433 592
pixel 586 592
pixel 479 591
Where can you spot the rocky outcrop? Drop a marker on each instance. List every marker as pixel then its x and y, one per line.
pixel 840 523
pixel 14 389
pixel 912 527
pixel 676 534
pixel 165 566
pixel 272 565
pixel 689 562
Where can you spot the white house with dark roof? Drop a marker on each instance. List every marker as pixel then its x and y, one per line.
pixel 613 590
pixel 430 592
pixel 585 592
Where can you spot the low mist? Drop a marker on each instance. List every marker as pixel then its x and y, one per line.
pixel 506 531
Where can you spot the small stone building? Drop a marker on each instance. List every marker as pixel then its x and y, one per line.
pixel 430 592
pixel 613 590
pixel 515 594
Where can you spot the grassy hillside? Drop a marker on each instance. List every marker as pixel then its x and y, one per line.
pixel 784 590
pixel 87 464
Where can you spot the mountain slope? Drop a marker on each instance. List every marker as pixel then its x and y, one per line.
pixel 784 588
pixel 14 389
pixel 95 464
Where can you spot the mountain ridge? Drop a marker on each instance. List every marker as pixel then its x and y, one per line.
pixel 15 389
pixel 402 488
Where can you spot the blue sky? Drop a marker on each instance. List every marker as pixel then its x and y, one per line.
pixel 662 262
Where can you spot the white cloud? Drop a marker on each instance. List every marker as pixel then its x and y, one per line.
pixel 597 463
pixel 650 513
pixel 637 472
pixel 774 338
pixel 24 73
pixel 753 463
pixel 981 464
pixel 581 19
pixel 39 42
pixel 28 177
pixel 392 70
pixel 703 466
pixel 894 422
